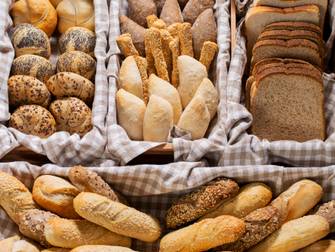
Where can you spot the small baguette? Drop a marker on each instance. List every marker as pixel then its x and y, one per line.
pixel 117 217
pixel 100 248
pixel 321 246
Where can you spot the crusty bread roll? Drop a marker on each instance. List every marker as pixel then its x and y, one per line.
pixel 75 13
pixel 158 120
pixel 27 39
pixel 204 235
pixel 327 210
pixel 56 195
pixel 194 8
pixel 66 84
pixel 251 197
pixel 191 74
pixel 101 248
pixel 77 62
pixel 297 200
pixel 117 217
pixel 15 197
pixel 25 90
pixel 39 13
pixel 66 233
pixel 24 246
pixel 138 10
pixel 7 244
pixel 295 234
pixel 72 115
pixel 130 114
pixel 321 246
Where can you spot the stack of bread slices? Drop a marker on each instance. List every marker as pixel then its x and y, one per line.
pixel 284 91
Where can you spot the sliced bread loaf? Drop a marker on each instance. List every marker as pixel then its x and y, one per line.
pixel 294 26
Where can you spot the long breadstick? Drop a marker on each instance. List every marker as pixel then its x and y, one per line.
pixel 174 29
pixel 148 54
pixel 208 51
pixel 151 19
pixel 142 67
pixel 125 43
pixel 175 51
pixel 166 39
pixel 159 24
pixel 185 39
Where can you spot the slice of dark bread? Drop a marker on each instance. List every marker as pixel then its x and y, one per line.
pixel 305 26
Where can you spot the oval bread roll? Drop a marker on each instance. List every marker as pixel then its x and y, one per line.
pixel 66 84
pixel 72 115
pixel 321 246
pixel 27 39
pixel 15 197
pixel 130 113
pixel 204 235
pixel 7 244
pixel 117 217
pixel 22 245
pixel 158 120
pixel 56 195
pixel 77 62
pixel 33 65
pixel 25 90
pixel 33 120
pixel 101 248
pixel 295 234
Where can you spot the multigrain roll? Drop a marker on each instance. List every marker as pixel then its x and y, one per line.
pixel 33 65
pixel 101 248
pixel 25 90
pixel 196 204
pixel 27 39
pixel 77 62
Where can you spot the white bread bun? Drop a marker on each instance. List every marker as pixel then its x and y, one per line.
pixel 158 120
pixel 321 246
pixel 101 248
pixel 117 217
pixel 130 78
pixel 130 113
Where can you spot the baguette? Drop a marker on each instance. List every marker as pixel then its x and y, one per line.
pixel 100 248
pixel 327 211
pixel 321 246
pixel 117 217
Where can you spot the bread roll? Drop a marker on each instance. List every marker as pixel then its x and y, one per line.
pixel 295 234
pixel 204 235
pixel 56 250
pixel 196 204
pixel 66 84
pixel 130 113
pixel 251 197
pixel 72 115
pixel 33 65
pixel 40 13
pixel 7 244
pixel 15 198
pixel 117 217
pixel 25 90
pixel 33 120
pixel 56 195
pixel 77 62
pixel 297 200
pixel 66 233
pixel 101 248
pixel 158 120
pixel 77 39
pixel 171 12
pixel 327 211
pixel 321 246
pixel 138 10
pixel 24 246
pixel 27 39
pixel 194 8
pixel 75 13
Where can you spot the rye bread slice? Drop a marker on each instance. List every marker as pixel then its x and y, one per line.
pixel 294 26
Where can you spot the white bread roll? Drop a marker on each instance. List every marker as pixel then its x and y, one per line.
pixel 100 248
pixel 297 200
pixel 251 197
pixel 295 234
pixel 24 246
pixel 162 88
pixel 158 120
pixel 66 233
pixel 117 217
pixel 204 235
pixel 130 77
pixel 130 113
pixel 191 74
pixel 195 118
pixel 321 246
pixel 7 244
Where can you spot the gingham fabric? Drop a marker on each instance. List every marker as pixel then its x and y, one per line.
pixel 63 148
pixel 153 188
pixel 247 149
pixel 120 147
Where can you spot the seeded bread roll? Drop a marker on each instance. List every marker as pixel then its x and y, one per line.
pixel 101 248
pixel 33 65
pixel 72 115
pixel 66 84
pixel 27 39
pixel 25 90
pixel 196 204
pixel 77 62
pixel 77 39
pixel 33 120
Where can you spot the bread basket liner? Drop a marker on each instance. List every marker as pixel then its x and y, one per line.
pixel 123 149
pixel 62 148
pixel 245 149
pixel 153 188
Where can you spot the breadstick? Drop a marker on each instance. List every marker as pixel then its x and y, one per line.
pixel 166 39
pixel 208 52
pixel 174 29
pixel 151 19
pixel 175 50
pixel 148 54
pixel 142 67
pixel 185 38
pixel 159 24
pixel 125 43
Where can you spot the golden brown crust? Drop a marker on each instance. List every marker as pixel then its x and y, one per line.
pixel 327 211
pixel 185 39
pixel 151 19
pixel 126 45
pixel 175 51
pixel 208 51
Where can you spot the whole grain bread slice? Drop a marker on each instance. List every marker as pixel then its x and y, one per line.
pixel 294 26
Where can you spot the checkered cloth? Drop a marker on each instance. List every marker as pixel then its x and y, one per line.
pixel 62 148
pixel 120 147
pixel 245 149
pixel 152 188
